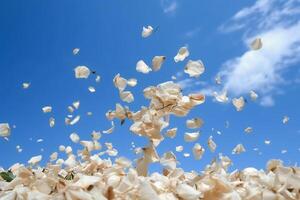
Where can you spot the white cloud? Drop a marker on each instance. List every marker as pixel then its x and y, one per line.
pixel 267 101
pixel 278 24
pixel 169 6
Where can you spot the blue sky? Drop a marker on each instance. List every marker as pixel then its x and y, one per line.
pixel 37 38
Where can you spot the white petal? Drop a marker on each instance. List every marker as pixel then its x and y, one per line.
pixel 76 51
pixel 157 62
pixel 194 68
pixel 26 85
pixel 285 119
pixel 98 78
pixel 147 31
pixel 92 89
pixel 142 67
pixel 126 96
pixel 218 80
pixel 47 109
pixel 75 120
pixel 109 131
pixel 183 52
pixel 76 104
pixel 51 122
pixel 222 97
pixel 82 72
pixel 132 82
pixel 186 155
pixel 267 142
pixel 179 148
pixel 4 130
pixel 256 44
pixel 238 103
pixel 39 140
pixel 74 137
pixel 191 137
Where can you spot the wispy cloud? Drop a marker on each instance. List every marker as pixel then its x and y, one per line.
pixel 191 33
pixel 169 6
pixel 191 84
pixel 278 24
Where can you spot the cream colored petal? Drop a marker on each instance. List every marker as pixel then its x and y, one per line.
pixel 61 148
pixel 194 68
pixel 187 192
pixel 157 62
pixel 110 130
pixel 179 148
pixel 248 130
pixel 238 103
pixel 74 137
pixel 222 97
pixel 211 144
pixel 191 137
pixel 47 109
pixel 253 95
pixel 53 156
pixel 132 82
pixel 120 82
pixel 146 192
pixel 5 130
pixel 142 67
pixel 194 123
pixel 198 151
pixel 183 52
pixel 35 160
pixel 168 161
pixel 171 133
pixel 126 96
pixel 147 31
pixel 256 44
pixel 96 135
pixel 82 72
pixel 238 149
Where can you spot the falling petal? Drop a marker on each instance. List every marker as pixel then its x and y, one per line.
pixel 142 67
pixel 256 44
pixel 183 52
pixel 194 68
